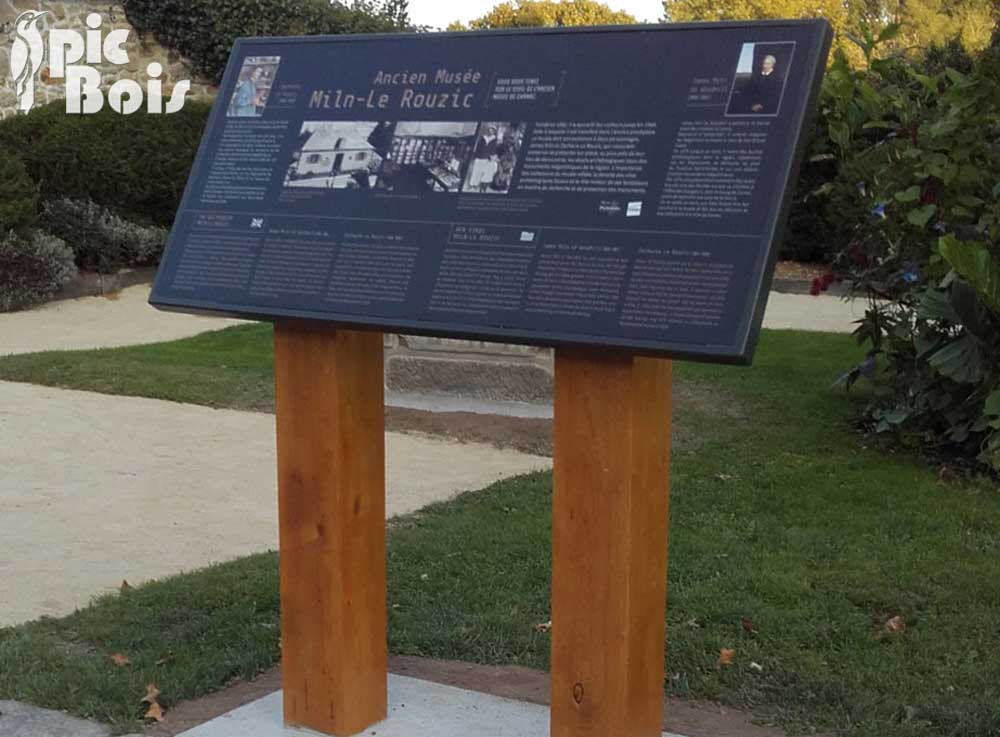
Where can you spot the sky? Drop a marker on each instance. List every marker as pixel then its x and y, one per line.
pixel 745 65
pixel 439 13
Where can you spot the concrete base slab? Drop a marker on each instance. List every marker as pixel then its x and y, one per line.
pixel 416 709
pixel 22 720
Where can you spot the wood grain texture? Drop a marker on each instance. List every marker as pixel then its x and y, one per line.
pixel 609 543
pixel 331 507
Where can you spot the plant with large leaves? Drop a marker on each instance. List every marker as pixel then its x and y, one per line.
pixel 920 165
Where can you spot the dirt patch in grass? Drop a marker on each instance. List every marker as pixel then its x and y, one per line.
pixel 527 435
pixel 701 412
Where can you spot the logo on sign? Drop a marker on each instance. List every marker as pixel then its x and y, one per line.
pixel 73 57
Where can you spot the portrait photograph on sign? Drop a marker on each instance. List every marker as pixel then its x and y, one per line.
pixel 504 185
pixel 256 77
pixel 494 157
pixel 759 83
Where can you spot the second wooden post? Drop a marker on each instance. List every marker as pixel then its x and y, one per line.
pixel 331 509
pixel 609 543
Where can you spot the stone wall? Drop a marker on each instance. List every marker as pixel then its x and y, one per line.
pixel 72 14
pixel 465 368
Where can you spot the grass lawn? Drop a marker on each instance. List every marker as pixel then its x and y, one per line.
pixel 786 519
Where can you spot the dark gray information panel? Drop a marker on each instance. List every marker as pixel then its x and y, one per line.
pixel 613 186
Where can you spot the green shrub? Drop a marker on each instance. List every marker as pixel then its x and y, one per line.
pixel 32 269
pixel 204 31
pixel 813 229
pixel 18 195
pixel 134 165
pixel 918 186
pixel 100 240
pixel 816 226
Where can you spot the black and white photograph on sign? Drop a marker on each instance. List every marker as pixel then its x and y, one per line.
pixel 253 86
pixel 339 155
pixel 426 156
pixel 494 156
pixel 759 84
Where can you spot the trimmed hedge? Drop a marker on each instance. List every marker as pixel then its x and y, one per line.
pixel 134 165
pixel 100 240
pixel 32 269
pixel 813 231
pixel 204 31
pixel 18 195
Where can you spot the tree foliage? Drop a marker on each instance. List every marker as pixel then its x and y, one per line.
pixel 924 23
pixel 835 11
pixel 928 23
pixel 536 13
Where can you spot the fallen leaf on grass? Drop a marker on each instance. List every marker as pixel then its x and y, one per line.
pixel 120 660
pixel 726 656
pixel 895 626
pixel 747 625
pixel 154 712
pixel 543 626
pixel 151 693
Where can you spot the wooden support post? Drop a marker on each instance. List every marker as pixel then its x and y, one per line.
pixel 331 508
pixel 609 543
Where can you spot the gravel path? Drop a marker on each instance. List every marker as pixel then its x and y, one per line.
pixel 97 322
pixel 804 312
pixel 97 489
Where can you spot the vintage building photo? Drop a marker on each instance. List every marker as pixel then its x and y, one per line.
pixel 339 155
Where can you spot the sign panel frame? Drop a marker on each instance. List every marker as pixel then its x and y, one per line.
pixel 739 352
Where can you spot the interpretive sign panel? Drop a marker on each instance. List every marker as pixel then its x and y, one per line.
pixel 619 186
